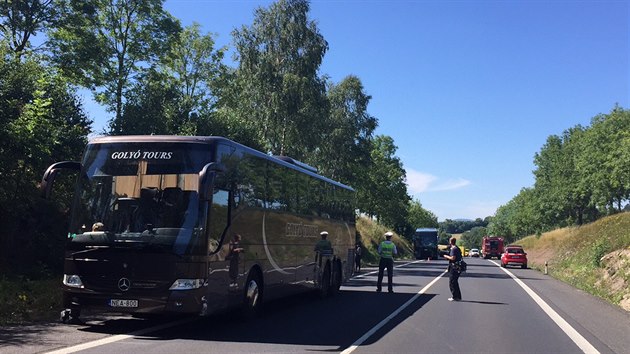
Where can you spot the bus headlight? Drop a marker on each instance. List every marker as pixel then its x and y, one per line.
pixel 73 281
pixel 187 284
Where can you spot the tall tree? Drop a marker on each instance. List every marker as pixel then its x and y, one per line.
pixel 279 91
pixel 106 44
pixel 170 97
pixel 518 218
pixel 604 161
pixel 385 196
pixel 20 20
pixel 344 155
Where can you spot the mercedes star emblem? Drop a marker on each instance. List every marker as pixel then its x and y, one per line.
pixel 124 284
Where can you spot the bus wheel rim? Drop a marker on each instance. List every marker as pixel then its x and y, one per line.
pixel 252 293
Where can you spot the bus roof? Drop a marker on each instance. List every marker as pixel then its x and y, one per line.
pixel 426 229
pixel 285 161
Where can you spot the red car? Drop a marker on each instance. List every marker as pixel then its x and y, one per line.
pixel 514 254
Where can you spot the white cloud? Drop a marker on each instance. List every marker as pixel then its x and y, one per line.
pixel 450 184
pixel 419 182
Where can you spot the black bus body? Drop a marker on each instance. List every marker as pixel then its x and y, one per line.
pixel 196 225
pixel 425 243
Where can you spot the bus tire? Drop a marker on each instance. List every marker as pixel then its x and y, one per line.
pixel 253 295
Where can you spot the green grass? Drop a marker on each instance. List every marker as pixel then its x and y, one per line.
pixel 27 301
pixel 590 257
pixel 372 235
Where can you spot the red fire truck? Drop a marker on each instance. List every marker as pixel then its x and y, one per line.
pixel 492 246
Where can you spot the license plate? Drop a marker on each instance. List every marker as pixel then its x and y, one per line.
pixel 123 303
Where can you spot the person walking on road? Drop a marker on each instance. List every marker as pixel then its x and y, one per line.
pixel 387 250
pixel 454 258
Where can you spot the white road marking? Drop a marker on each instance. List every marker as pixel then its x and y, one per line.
pixel 367 335
pixel 576 337
pixel 376 271
pixel 119 337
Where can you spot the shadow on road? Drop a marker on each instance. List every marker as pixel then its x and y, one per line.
pixel 298 320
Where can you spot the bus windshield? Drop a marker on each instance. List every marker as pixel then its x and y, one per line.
pixel 138 194
pixel 429 239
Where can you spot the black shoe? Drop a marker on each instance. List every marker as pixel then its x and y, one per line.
pixel 390 290
pixel 378 290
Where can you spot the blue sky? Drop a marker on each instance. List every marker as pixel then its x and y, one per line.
pixel 468 90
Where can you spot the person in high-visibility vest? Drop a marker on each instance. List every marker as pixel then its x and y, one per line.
pixel 387 250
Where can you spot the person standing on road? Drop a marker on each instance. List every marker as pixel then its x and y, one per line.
pixel 357 258
pixel 323 244
pixel 387 250
pixel 454 258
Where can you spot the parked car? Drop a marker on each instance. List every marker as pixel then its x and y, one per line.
pixel 474 252
pixel 514 255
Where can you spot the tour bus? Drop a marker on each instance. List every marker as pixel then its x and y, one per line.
pixel 196 225
pixel 425 243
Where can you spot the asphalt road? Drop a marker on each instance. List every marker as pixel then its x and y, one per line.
pixel 518 311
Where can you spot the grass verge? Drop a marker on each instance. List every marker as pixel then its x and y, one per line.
pixel 26 301
pixel 593 257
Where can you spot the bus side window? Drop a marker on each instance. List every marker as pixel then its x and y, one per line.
pixel 219 218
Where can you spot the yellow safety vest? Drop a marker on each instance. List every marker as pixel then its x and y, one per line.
pixel 387 249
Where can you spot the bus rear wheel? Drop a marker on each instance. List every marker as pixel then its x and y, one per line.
pixel 253 296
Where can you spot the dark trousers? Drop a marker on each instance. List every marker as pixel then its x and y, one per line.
pixel 453 283
pixel 389 264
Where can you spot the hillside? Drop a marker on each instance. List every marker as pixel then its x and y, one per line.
pixel 593 257
pixel 372 235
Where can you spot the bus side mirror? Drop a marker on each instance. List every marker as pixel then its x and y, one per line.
pixel 206 179
pixel 51 173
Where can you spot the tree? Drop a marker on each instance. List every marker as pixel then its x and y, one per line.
pixel 106 44
pixel 385 195
pixel 517 218
pixel 344 154
pixel 474 237
pixel 20 20
pixel 41 122
pixel 420 217
pixel 603 164
pixel 278 90
pixel 170 97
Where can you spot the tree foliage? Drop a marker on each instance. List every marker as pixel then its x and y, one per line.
pixel 104 45
pixel 385 195
pixel 278 92
pixel 175 96
pixel 421 217
pixel 579 176
pixel 349 130
pixel 41 122
pixel 20 20
pixel 473 238
pixel 460 226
